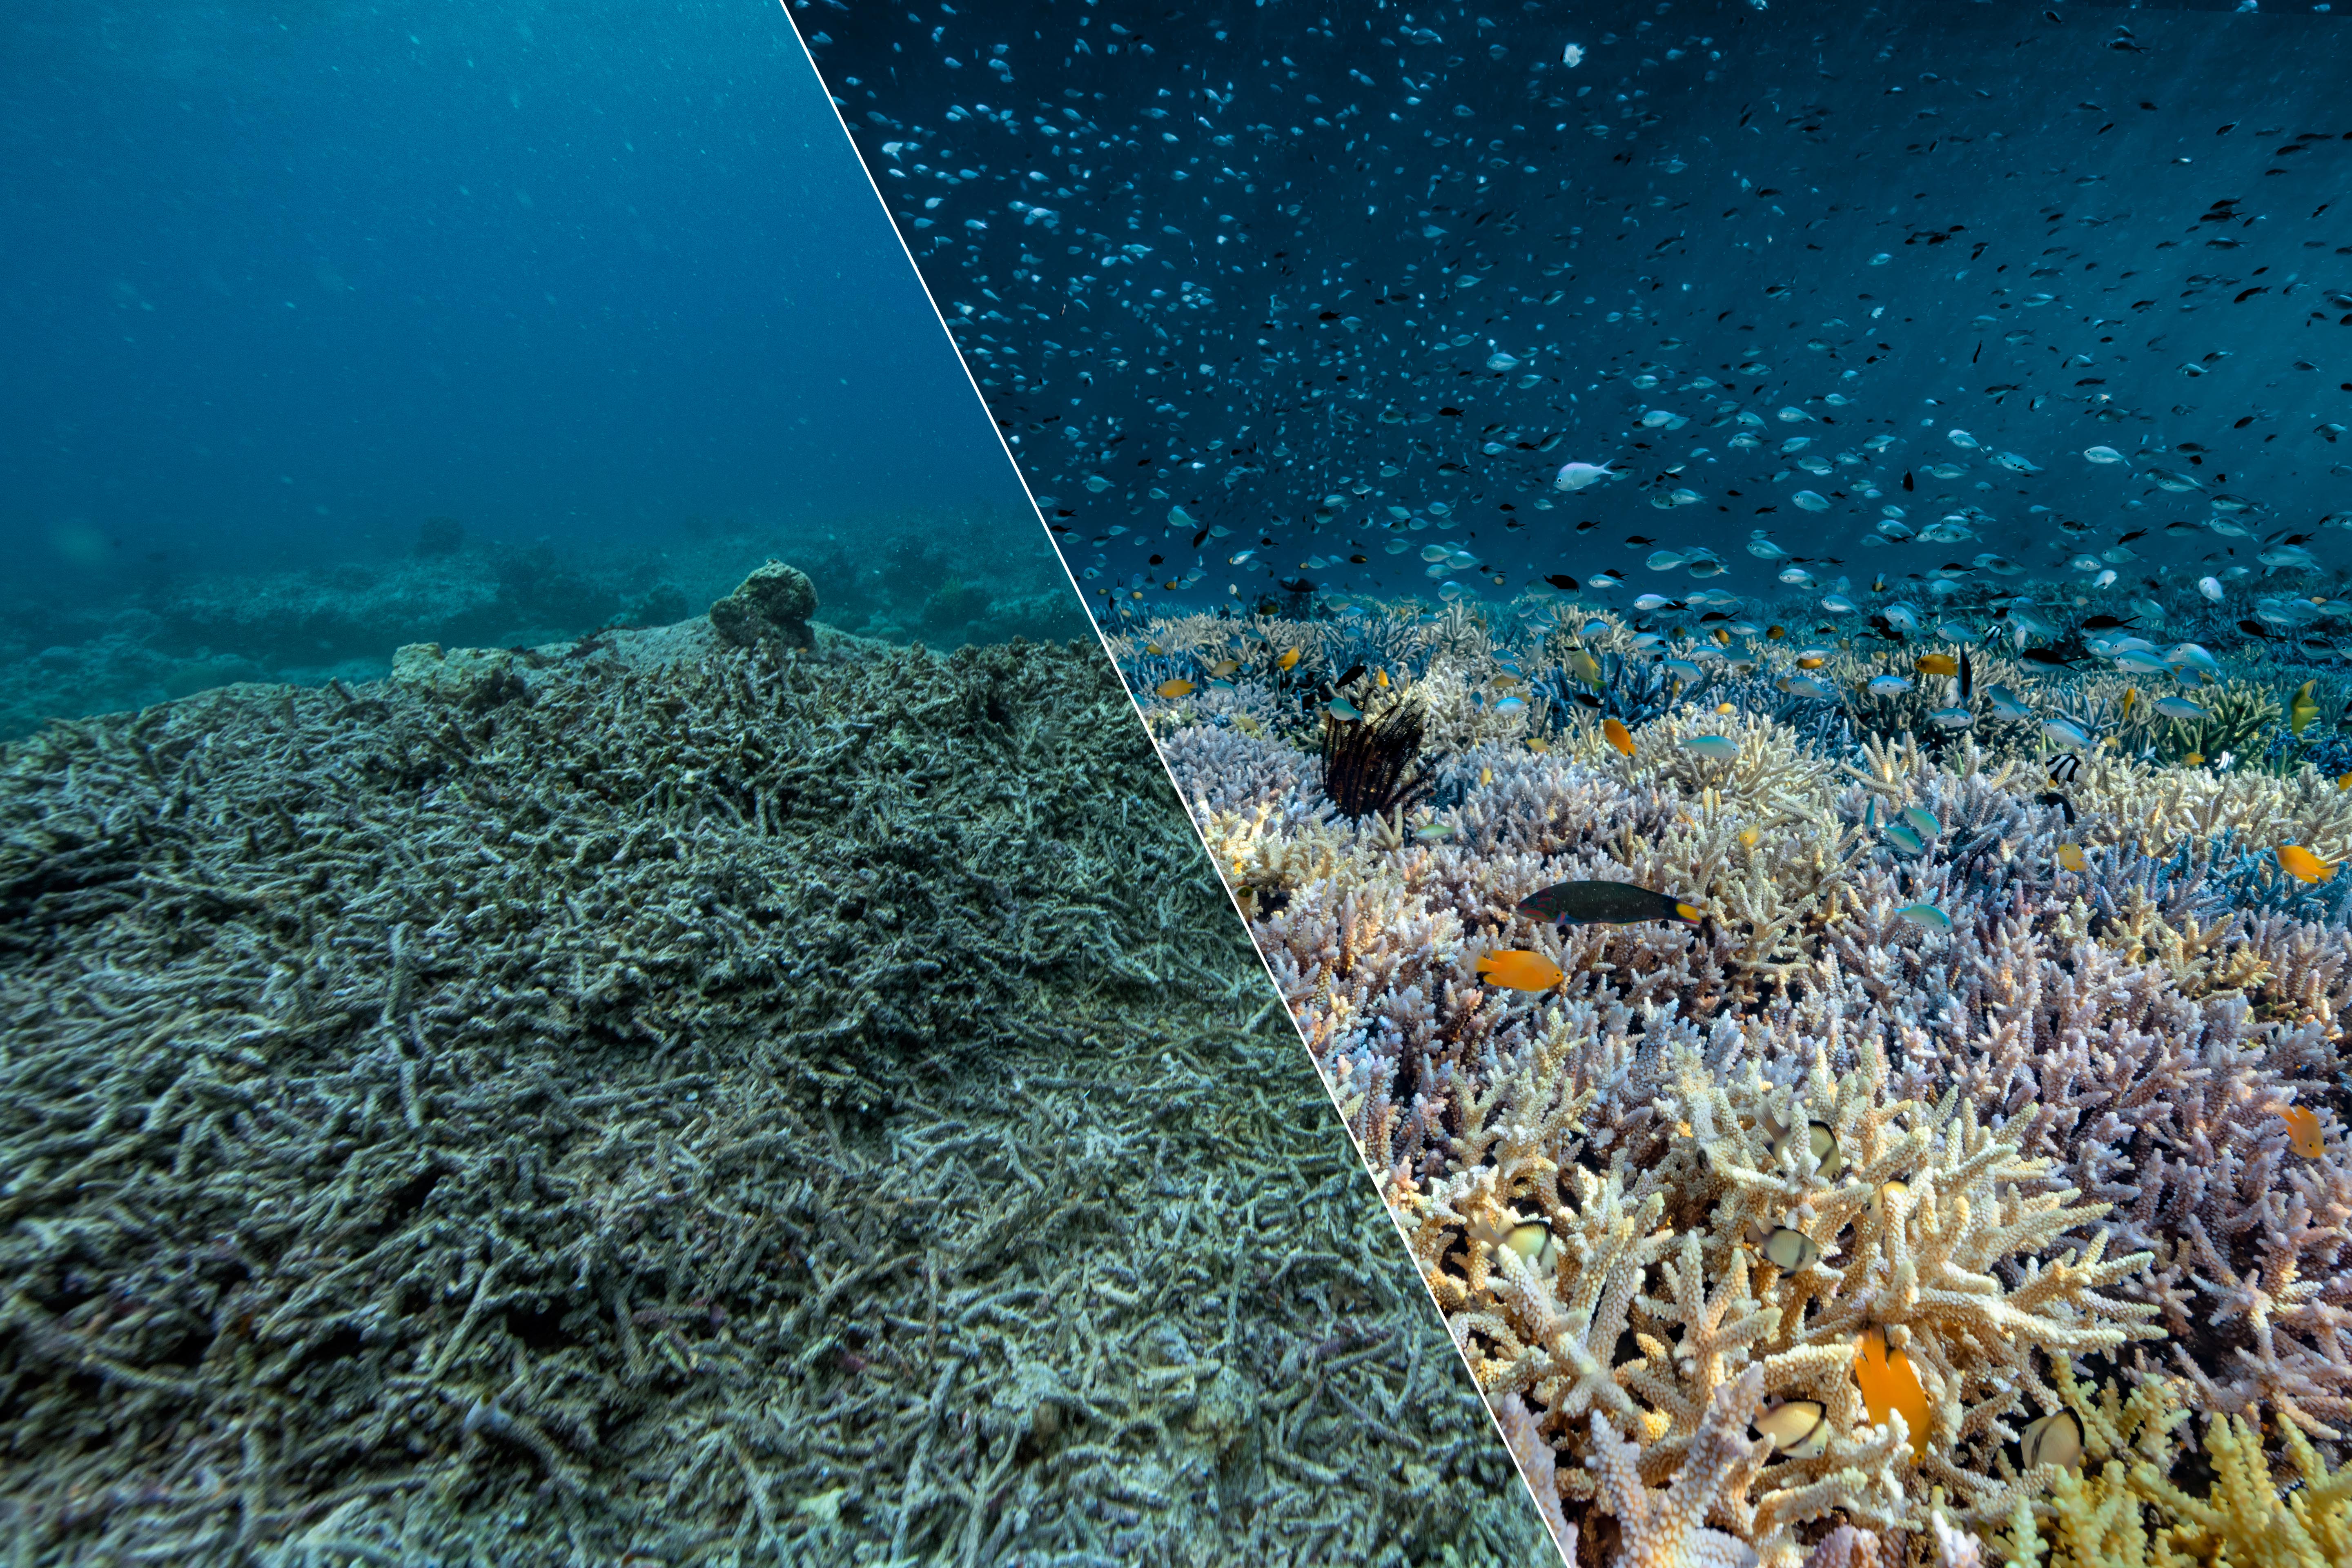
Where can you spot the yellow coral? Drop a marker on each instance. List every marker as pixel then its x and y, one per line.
pixel 2131 1514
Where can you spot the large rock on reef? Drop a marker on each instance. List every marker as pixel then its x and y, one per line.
pixel 772 605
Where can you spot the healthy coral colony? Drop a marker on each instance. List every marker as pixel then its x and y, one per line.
pixel 1847 1112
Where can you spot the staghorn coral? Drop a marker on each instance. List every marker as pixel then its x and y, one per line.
pixel 2127 1000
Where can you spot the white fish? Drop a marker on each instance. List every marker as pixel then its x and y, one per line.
pixel 2103 454
pixel 1811 500
pixel 2210 588
pixel 1902 616
pixel 1796 577
pixel 1501 362
pixel 2171 479
pixel 1760 545
pixel 2064 731
pixel 2013 463
pixel 1837 605
pixel 1651 601
pixel 1577 476
pixel 2006 703
pixel 1663 561
pixel 1573 56
pixel 1962 439
pixel 2288 558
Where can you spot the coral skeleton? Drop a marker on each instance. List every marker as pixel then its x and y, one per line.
pixel 658 1100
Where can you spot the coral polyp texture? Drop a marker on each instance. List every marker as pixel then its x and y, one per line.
pixel 1968 1182
pixel 652 1100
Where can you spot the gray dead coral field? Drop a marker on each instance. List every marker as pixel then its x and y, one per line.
pixel 659 1104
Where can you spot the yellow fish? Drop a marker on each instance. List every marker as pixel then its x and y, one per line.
pixel 2301 711
pixel 1776 633
pixel 2197 760
pixel 2301 1129
pixel 2071 857
pixel 1937 663
pixel 2131 695
pixel 1617 735
pixel 1889 1385
pixel 1812 660
pixel 2302 865
pixel 1584 666
pixel 1225 669
pixel 1536 743
pixel 2343 781
pixel 1380 679
pixel 1178 687
pixel 1485 777
pixel 1721 637
pixel 1152 648
pixel 1517 970
pixel 1289 659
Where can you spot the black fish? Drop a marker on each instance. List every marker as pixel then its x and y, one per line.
pixel 2102 622
pixel 1562 580
pixel 1604 903
pixel 2044 656
pixel 1592 701
pixel 2252 628
pixel 1354 670
pixel 2051 797
pixel 1967 678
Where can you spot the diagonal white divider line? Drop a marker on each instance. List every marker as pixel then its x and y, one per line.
pixel 1403 1242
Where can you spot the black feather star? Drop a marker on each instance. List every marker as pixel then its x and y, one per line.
pixel 1372 766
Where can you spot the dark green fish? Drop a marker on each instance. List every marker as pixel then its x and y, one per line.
pixel 1606 903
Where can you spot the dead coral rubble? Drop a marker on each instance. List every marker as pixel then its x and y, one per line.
pixel 677 1107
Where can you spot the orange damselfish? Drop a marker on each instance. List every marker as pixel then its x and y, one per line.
pixel 2302 865
pixel 1618 735
pixel 2301 1129
pixel 1888 1384
pixel 1937 663
pixel 1518 970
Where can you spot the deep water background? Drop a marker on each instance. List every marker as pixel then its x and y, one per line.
pixel 600 288
pixel 1280 244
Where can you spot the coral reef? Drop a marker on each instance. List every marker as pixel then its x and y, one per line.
pixel 643 1100
pixel 2068 1030
pixel 968 575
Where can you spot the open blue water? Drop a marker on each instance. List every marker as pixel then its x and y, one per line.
pixel 601 284
pixel 1282 297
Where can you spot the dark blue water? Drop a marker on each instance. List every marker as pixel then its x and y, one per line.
pixel 595 282
pixel 1238 278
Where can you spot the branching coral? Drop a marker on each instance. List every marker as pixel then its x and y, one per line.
pixel 2055 1028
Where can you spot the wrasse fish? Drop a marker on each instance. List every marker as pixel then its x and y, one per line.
pixel 1604 903
pixel 1517 970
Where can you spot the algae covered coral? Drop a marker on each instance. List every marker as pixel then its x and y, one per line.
pixel 651 1101
pixel 1988 1073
